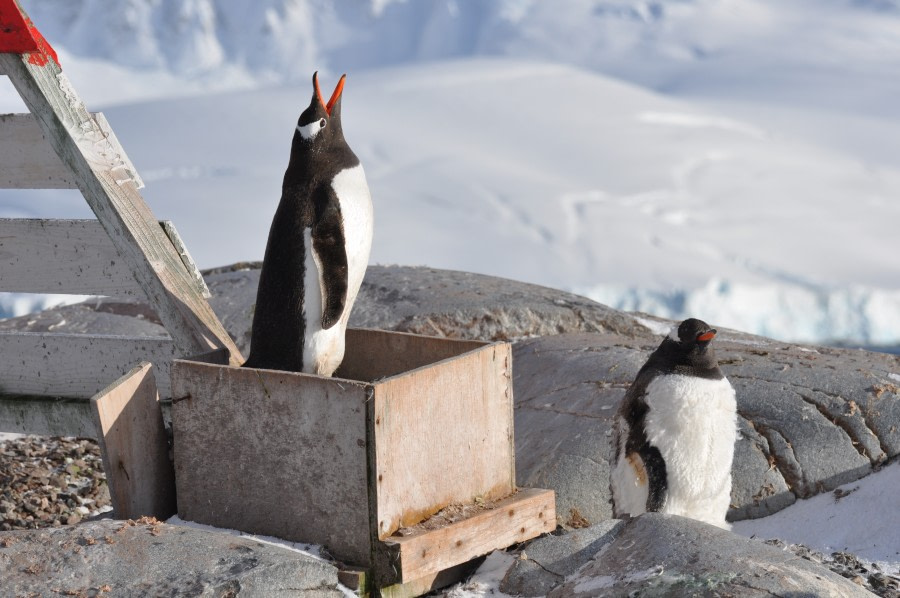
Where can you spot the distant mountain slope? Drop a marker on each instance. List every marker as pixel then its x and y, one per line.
pixel 761 50
pixel 736 160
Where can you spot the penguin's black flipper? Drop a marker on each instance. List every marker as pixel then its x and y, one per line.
pixel 329 244
pixel 657 485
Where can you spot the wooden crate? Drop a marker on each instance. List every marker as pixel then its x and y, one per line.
pixel 407 426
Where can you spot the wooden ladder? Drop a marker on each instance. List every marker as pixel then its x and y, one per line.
pixel 46 379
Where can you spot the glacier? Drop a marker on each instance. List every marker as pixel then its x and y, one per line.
pixel 680 158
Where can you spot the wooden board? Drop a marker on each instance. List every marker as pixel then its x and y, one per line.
pixel 373 354
pixel 27 160
pixel 273 453
pixel 103 174
pixel 72 257
pixel 443 435
pixel 525 515
pixel 134 446
pixel 46 416
pixel 76 365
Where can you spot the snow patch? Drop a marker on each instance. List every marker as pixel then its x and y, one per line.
pixel 698 121
pixel 654 326
pixel 486 580
pixel 860 517
pixel 13 305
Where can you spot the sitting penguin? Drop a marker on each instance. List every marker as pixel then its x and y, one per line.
pixel 318 248
pixel 675 431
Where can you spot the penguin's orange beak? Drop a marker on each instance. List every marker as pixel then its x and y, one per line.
pixel 706 336
pixel 334 96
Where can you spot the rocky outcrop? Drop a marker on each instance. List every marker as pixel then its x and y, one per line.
pixel 811 418
pixel 127 558
pixel 667 555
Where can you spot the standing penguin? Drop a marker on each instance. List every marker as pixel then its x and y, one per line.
pixel 318 248
pixel 675 432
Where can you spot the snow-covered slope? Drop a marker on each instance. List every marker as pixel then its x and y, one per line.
pixel 697 157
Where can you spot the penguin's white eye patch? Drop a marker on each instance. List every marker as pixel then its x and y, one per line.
pixel 312 129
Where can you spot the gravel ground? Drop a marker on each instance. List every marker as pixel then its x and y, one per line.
pixel 46 482
pixel 869 577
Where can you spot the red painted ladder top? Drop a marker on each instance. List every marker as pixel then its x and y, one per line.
pixel 18 35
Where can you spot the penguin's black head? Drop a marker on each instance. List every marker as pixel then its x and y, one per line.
pixel 321 121
pixel 693 334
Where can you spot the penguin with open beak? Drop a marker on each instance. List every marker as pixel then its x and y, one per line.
pixel 675 431
pixel 318 248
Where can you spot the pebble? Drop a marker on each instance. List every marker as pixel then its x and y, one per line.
pixel 47 482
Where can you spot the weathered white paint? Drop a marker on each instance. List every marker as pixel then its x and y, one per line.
pixel 62 256
pixel 76 365
pixel 27 160
pixel 46 416
pixel 102 174
pixel 74 257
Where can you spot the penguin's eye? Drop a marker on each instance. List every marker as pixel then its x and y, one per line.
pixel 312 129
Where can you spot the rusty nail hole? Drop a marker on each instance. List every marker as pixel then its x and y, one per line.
pixel 424 553
pixel 512 512
pixel 541 515
pixel 522 530
pixel 380 477
pixel 377 420
pixel 459 542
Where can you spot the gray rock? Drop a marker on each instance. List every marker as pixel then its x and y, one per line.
pixel 548 561
pixel 667 555
pixel 96 316
pixel 810 418
pixel 433 302
pixel 140 559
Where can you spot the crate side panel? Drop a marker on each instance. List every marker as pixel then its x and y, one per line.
pixel 134 446
pixel 273 453
pixel 525 515
pixel 373 354
pixel 443 435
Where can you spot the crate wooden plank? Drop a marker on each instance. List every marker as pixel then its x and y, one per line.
pixel 371 354
pixel 451 421
pixel 103 176
pixel 27 160
pixel 72 257
pixel 522 516
pixel 46 416
pixel 76 365
pixel 258 452
pixel 134 446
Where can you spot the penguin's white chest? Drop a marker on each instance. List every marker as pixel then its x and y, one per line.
pixel 323 350
pixel 693 423
pixel 352 190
